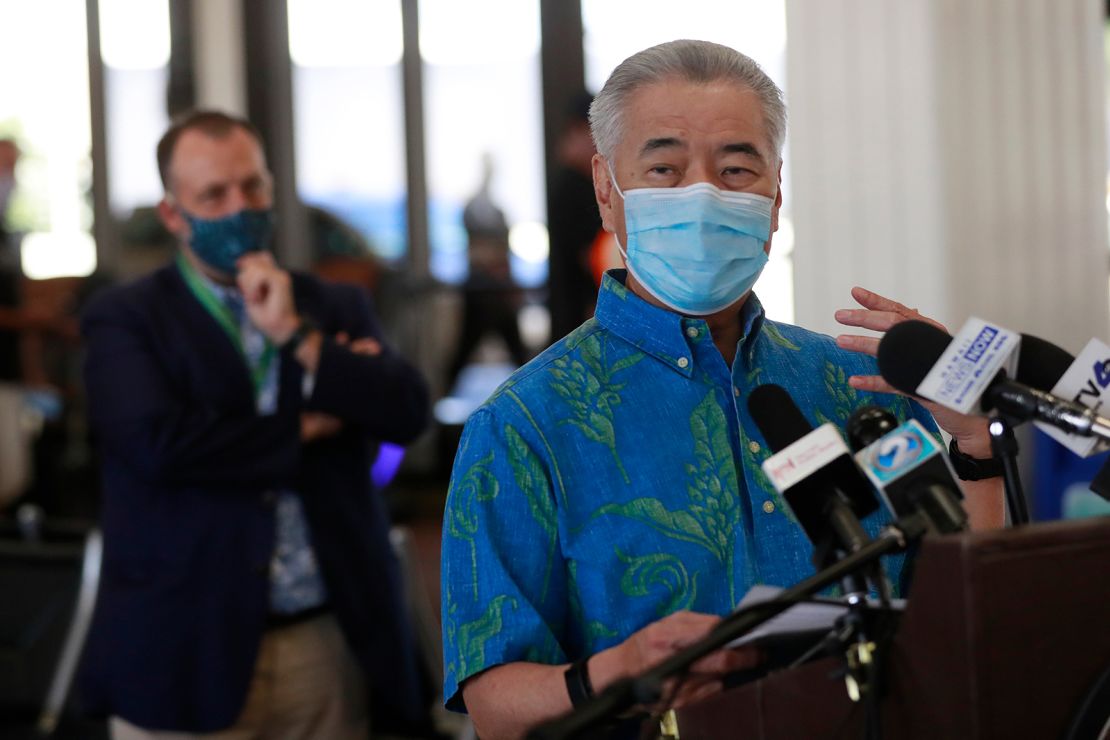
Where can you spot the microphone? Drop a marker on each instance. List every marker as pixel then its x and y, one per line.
pixel 913 354
pixel 908 468
pixel 1042 364
pixel 814 472
pixel 1083 379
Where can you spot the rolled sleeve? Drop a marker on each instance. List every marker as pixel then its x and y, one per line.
pixel 504 587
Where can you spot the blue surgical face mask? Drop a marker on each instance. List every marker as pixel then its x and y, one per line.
pixel 220 242
pixel 697 249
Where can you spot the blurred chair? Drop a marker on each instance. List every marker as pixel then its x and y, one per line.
pixel 49 573
pixel 17 433
pixel 425 622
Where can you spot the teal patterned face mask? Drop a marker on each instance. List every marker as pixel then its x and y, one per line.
pixel 220 242
pixel 697 249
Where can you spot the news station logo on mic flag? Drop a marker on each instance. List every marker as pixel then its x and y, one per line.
pixel 898 452
pixel 973 358
pixel 804 457
pixel 1087 382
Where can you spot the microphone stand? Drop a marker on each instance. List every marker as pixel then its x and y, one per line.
pixel 1005 447
pixel 846 535
pixel 648 687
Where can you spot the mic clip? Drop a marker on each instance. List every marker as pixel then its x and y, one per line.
pixel 859 678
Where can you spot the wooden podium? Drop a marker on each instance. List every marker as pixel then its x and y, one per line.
pixel 1005 634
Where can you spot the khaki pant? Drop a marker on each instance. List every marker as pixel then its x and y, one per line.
pixel 306 686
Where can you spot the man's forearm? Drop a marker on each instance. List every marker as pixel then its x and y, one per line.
pixel 381 394
pixel 307 353
pixel 508 700
pixel 984 501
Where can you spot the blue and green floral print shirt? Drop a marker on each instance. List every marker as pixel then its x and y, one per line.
pixel 616 479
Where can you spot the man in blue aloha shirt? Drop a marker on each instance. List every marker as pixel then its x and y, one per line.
pixel 607 503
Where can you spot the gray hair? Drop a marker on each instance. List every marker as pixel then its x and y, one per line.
pixel 695 61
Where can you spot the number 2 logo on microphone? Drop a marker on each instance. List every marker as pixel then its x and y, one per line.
pixel 899 451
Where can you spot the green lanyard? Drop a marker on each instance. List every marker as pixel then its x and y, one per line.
pixel 227 321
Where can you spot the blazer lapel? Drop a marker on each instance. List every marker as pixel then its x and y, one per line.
pixel 221 361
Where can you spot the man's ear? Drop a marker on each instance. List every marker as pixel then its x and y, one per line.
pixel 778 204
pixel 603 192
pixel 171 218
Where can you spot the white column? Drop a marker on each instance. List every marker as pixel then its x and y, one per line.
pixel 952 155
pixel 219 56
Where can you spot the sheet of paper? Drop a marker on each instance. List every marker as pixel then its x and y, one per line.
pixel 804 617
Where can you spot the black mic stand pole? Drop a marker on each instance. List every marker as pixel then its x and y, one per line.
pixel 848 535
pixel 1005 447
pixel 648 687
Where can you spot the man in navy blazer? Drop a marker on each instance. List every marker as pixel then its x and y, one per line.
pixel 248 581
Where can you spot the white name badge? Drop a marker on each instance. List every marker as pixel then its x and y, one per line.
pixel 969 364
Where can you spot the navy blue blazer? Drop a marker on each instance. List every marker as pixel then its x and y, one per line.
pixel 188 517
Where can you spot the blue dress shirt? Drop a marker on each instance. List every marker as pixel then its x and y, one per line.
pixel 295 581
pixel 616 479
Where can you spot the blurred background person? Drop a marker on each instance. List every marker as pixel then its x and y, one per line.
pixel 491 299
pixel 38 333
pixel 573 223
pixel 249 582
pixel 11 318
pixel 15 443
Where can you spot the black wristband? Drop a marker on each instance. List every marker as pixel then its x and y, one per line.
pixel 579 687
pixel 304 328
pixel 973 468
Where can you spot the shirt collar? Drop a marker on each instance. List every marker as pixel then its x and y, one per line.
pixel 659 332
pixel 752 316
pixel 229 294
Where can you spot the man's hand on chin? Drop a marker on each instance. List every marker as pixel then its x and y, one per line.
pixel 268 296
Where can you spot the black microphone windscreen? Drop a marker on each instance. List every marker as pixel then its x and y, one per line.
pixel 908 351
pixel 777 416
pixel 868 424
pixel 1041 364
pixel 1100 484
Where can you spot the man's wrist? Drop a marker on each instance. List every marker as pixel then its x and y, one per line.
pixel 978 447
pixel 970 467
pixel 606 667
pixel 289 340
pixel 284 329
pixel 577 678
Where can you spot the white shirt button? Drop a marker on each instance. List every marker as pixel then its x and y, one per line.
pixel 768 507
pixel 736 391
pixel 753 446
pixel 683 362
pixel 691 331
